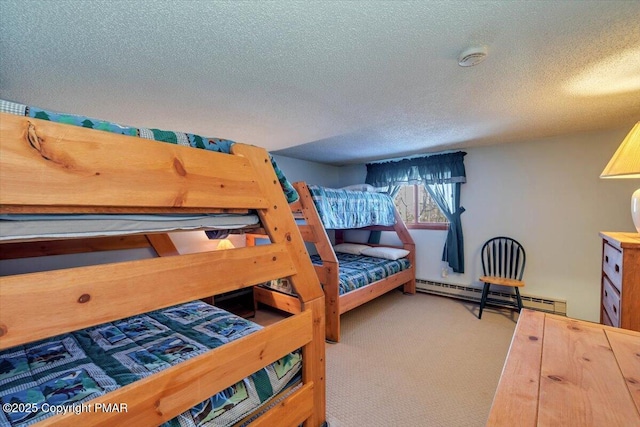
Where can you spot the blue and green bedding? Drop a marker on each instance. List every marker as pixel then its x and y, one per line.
pixel 180 138
pixel 346 209
pixel 356 271
pixel 73 368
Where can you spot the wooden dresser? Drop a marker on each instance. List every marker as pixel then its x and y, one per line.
pixel 620 291
pixel 567 372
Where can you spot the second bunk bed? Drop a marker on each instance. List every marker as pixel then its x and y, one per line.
pixel 351 274
pixel 169 358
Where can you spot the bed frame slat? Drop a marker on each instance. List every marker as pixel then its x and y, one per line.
pixel 84 166
pixel 291 411
pixel 189 383
pixel 16 250
pixel 70 299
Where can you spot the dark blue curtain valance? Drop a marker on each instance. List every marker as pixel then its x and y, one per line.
pixel 440 168
pixel 441 175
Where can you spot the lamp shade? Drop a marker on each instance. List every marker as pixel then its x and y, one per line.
pixel 625 162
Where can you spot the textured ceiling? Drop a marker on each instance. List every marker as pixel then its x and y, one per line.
pixel 338 82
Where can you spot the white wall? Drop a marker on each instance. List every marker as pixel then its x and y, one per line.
pixel 547 194
pixel 311 172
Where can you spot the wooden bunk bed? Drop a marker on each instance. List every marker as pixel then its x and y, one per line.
pixel 54 168
pixel 337 303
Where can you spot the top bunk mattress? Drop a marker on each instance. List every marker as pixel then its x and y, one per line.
pixel 347 209
pixel 60 226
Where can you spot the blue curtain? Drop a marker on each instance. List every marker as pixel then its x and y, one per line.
pixel 441 175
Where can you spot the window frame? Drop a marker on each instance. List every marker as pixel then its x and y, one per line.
pixel 422 225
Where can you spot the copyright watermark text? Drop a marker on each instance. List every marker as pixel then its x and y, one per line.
pixel 77 409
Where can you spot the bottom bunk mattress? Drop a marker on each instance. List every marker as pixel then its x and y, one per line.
pixel 355 272
pixel 41 378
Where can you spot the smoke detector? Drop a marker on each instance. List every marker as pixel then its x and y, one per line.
pixel 472 56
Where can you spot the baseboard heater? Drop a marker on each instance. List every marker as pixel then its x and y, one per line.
pixel 469 293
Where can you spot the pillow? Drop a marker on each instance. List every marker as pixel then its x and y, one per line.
pixel 360 187
pixel 386 253
pixel 350 248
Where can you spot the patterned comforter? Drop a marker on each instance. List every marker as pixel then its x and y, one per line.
pixel 357 271
pixel 344 209
pixel 181 138
pixel 71 369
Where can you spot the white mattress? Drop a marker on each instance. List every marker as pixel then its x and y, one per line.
pixel 27 227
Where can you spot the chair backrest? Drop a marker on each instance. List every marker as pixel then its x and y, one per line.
pixel 503 257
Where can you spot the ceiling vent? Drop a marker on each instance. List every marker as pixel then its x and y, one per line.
pixel 472 56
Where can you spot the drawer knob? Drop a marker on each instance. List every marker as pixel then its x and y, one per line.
pixel 617 268
pixel 606 258
pixel 615 310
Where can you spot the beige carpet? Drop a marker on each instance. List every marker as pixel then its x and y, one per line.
pixel 418 360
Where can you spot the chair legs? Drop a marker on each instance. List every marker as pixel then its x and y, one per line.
pixel 483 300
pixel 518 298
pixel 485 293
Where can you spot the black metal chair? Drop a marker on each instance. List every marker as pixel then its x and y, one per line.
pixel 503 260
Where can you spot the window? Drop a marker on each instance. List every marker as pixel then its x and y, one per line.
pixel 418 210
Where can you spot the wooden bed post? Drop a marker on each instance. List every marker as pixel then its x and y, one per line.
pixel 328 273
pixel 280 229
pixel 332 300
pixel 408 244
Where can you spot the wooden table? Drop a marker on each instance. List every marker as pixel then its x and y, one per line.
pixel 567 372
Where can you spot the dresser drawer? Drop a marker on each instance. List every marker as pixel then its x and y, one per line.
pixel 606 320
pixel 611 302
pixel 612 265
